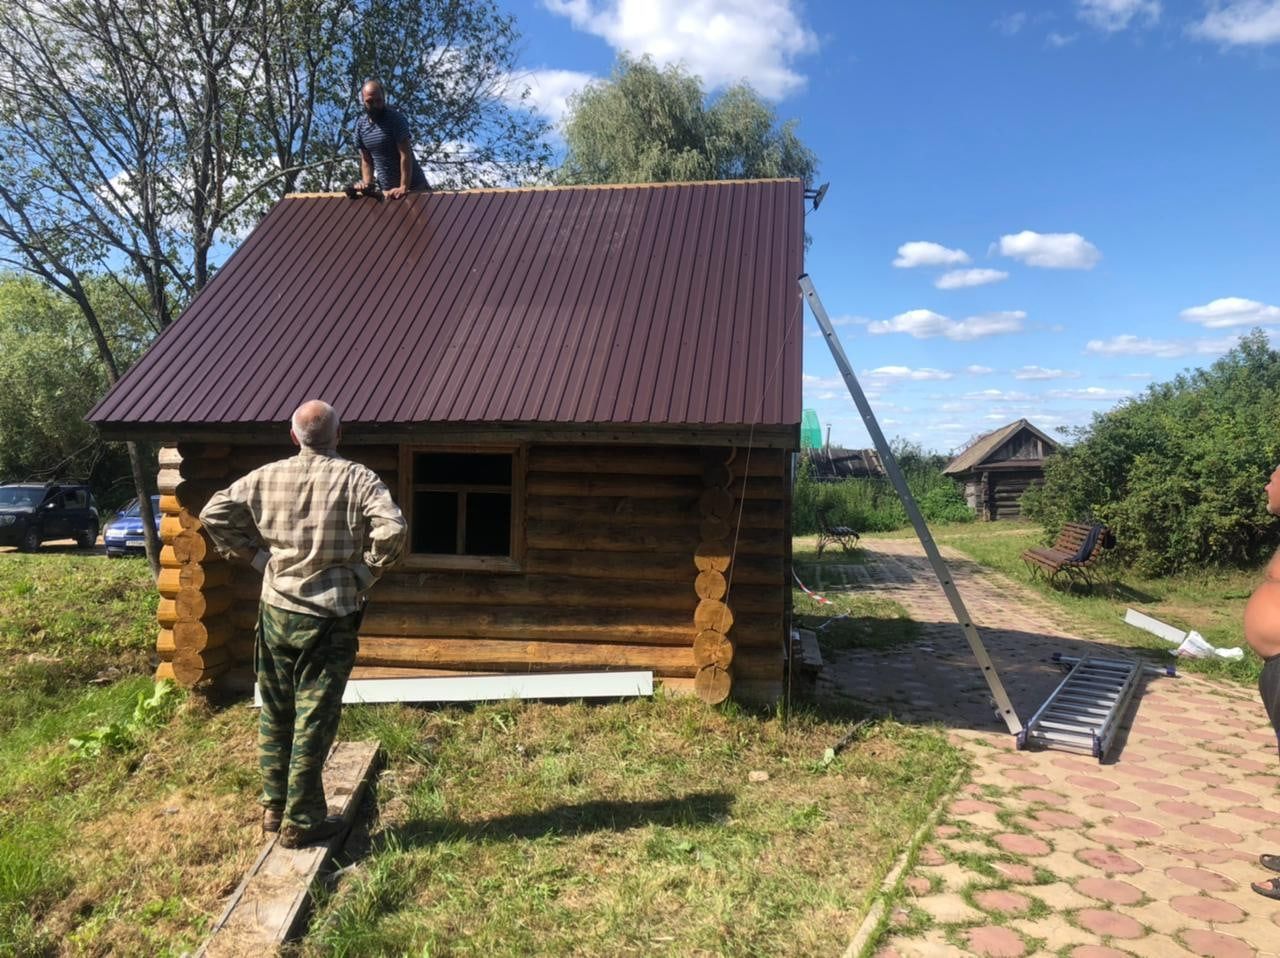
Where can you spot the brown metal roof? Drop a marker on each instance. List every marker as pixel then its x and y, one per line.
pixel 660 304
pixel 988 443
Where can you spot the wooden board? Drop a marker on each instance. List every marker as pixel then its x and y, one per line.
pixel 269 906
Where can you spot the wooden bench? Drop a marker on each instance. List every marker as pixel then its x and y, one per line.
pixel 828 533
pixel 1063 557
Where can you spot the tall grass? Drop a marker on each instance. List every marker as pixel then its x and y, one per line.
pixel 872 504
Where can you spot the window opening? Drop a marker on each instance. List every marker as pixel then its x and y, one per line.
pixel 462 503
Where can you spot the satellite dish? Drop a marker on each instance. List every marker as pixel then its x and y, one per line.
pixel 816 195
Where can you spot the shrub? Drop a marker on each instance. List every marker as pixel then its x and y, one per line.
pixel 1178 472
pixel 872 504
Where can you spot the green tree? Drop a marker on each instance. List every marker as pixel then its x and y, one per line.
pixel 1177 473
pixel 136 136
pixel 651 125
pixel 50 376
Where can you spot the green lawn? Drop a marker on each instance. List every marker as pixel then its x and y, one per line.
pixel 1211 602
pixel 499 829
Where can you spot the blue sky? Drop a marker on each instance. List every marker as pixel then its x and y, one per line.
pixel 1080 197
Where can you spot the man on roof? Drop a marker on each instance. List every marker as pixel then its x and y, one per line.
pixel 386 147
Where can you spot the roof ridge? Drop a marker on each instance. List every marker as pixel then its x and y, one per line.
pixel 575 186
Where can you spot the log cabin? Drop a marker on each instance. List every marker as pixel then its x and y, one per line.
pixel 999 466
pixel 586 401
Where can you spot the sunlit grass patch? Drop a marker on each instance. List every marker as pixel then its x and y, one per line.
pixel 1211 602
pixel 502 829
pixel 633 826
pixel 854 620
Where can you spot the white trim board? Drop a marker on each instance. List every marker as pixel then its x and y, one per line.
pixel 494 688
pixel 1154 626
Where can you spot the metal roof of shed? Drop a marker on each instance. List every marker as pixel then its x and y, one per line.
pixel 653 304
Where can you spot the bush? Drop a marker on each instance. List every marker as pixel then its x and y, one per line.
pixel 872 504
pixel 1178 473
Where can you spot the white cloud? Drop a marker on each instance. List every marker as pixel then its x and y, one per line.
pixel 1232 311
pixel 1115 15
pixel 1050 250
pixel 923 253
pixel 998 395
pixel 988 324
pixel 1143 376
pixel 1040 372
pixel 1060 40
pixel 722 41
pixel 1129 345
pixel 961 278
pixel 1242 23
pixel 1011 23
pixel 1095 393
pixel 976 370
pixel 549 91
pixel 923 374
pixel 849 321
pixel 818 383
pixel 920 323
pixel 926 324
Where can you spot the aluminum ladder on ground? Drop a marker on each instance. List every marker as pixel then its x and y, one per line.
pixel 1084 712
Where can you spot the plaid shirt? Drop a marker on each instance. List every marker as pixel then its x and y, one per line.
pixel 330 525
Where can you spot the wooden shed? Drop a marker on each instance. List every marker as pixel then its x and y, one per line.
pixel 999 466
pixel 585 400
pixel 833 463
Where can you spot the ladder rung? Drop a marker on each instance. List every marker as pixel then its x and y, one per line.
pixel 1081 714
pixel 1086 683
pixel 1078 717
pixel 1077 727
pixel 1080 702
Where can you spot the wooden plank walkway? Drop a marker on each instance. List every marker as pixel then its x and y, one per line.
pixel 271 902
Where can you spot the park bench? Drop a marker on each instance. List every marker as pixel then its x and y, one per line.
pixel 828 533
pixel 1074 553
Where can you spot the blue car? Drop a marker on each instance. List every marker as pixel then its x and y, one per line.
pixel 123 533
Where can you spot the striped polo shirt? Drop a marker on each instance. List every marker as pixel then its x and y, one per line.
pixel 381 139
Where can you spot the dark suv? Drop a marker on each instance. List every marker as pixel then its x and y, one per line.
pixel 31 513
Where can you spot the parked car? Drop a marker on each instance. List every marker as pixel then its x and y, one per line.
pixel 35 512
pixel 123 531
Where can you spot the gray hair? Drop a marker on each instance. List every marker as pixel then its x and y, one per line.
pixel 315 423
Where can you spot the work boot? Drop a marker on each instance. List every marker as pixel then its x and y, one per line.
pixel 293 836
pixel 271 818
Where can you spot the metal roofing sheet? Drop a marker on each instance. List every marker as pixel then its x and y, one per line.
pixel 653 304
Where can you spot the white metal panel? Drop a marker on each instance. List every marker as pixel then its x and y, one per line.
pixel 494 688
pixel 1154 626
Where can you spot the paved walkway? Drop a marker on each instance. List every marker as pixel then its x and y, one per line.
pixel 1049 853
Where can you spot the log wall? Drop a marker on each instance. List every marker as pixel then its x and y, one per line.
pixel 999 493
pixel 631 554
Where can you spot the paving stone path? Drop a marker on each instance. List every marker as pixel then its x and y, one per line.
pixel 1050 853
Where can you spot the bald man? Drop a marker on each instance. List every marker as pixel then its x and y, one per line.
pixel 1262 632
pixel 322 530
pixel 386 147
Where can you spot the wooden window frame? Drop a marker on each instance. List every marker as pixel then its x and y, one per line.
pixel 467 563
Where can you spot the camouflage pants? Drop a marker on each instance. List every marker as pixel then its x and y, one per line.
pixel 302 662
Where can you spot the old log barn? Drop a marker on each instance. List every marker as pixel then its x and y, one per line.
pixel 585 401
pixel 999 466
